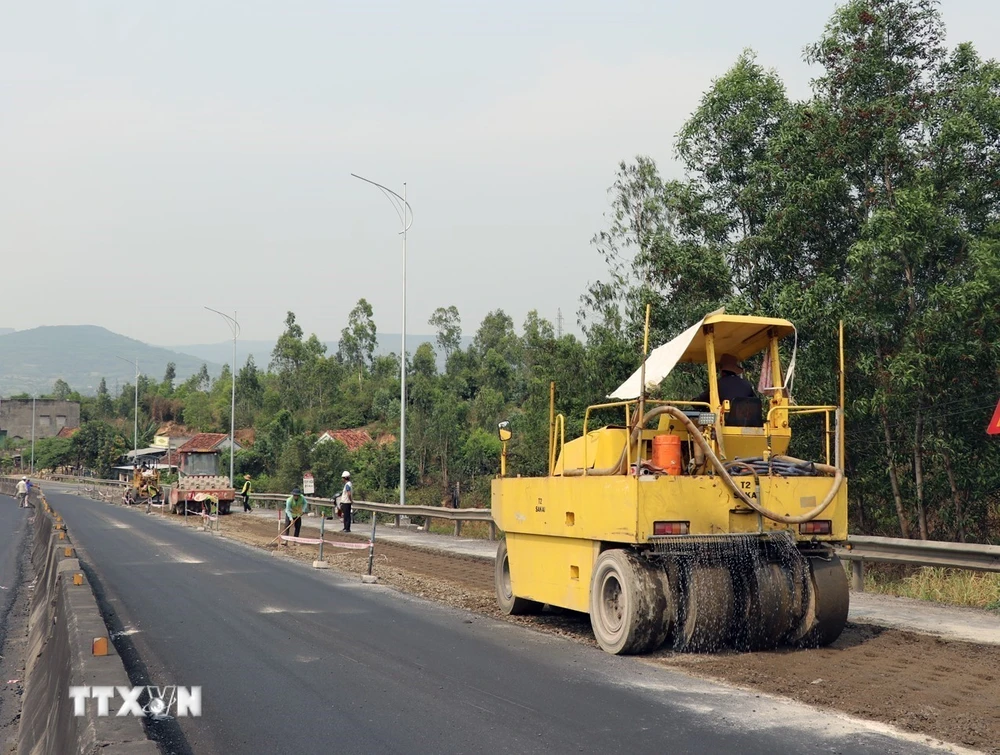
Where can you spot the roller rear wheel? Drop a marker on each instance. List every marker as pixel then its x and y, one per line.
pixel 630 606
pixel 508 602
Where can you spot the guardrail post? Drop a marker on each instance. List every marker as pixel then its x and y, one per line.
pixel 858 575
pixel 398 522
pixel 458 527
pixel 493 530
pixel 427 524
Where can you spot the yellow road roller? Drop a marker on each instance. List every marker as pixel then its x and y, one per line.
pixel 688 525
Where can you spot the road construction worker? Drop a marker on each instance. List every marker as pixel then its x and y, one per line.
pixel 246 493
pixel 732 384
pixel 736 389
pixel 295 506
pixel 346 499
pixel 22 493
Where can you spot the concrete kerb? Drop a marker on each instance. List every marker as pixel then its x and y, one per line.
pixel 64 623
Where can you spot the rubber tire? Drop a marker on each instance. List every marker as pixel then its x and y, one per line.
pixel 770 607
pixel 630 611
pixel 509 604
pixel 828 604
pixel 709 609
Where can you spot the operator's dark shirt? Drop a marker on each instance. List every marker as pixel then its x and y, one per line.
pixel 731 386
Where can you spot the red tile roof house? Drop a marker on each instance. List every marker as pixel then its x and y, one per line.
pixel 206 443
pixel 353 439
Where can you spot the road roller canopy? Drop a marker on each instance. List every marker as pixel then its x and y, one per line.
pixel 739 335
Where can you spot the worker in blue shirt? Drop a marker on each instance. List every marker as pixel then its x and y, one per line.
pixel 295 506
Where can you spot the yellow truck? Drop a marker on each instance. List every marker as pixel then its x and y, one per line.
pixel 687 525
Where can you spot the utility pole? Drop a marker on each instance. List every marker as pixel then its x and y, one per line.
pixel 234 326
pixel 32 437
pixel 405 214
pixel 135 427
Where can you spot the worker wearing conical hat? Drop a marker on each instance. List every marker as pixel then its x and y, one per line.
pixel 246 493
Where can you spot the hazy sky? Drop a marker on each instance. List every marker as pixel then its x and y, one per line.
pixel 156 157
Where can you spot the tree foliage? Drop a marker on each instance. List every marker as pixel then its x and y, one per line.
pixel 873 202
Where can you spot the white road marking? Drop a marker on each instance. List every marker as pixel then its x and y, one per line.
pixel 275 609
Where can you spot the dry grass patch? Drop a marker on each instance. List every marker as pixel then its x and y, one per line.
pixel 958 587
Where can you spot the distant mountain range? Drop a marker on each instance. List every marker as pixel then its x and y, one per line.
pixel 388 343
pixel 32 360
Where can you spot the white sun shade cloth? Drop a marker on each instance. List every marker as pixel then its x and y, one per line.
pixel 660 362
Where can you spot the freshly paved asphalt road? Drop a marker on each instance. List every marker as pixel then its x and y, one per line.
pixel 13 528
pixel 299 661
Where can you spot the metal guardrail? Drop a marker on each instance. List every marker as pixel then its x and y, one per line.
pixel 897 550
pixel 394 509
pixel 930 552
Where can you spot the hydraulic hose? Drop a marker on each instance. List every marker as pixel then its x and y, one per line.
pixel 838 475
pixel 717 464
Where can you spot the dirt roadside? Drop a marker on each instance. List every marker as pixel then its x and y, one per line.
pixel 948 690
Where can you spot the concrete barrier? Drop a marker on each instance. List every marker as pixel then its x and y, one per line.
pixel 63 625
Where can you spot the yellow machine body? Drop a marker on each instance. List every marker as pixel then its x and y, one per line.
pixel 556 527
pixel 146 483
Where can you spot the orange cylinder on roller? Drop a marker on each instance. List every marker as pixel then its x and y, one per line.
pixel 667 453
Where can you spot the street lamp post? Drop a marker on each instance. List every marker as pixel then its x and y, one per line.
pixel 234 326
pixel 135 427
pixel 32 472
pixel 405 214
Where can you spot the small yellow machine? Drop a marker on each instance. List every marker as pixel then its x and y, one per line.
pixel 687 525
pixel 145 484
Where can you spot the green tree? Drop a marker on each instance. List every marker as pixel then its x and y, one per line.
pixel 293 462
pixel 359 339
pixel 103 408
pixel 53 452
pixel 448 324
pixel 294 361
pixel 61 390
pixel 446 430
pixel 99 447
pixel 328 460
pixel 481 453
pixel 249 393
